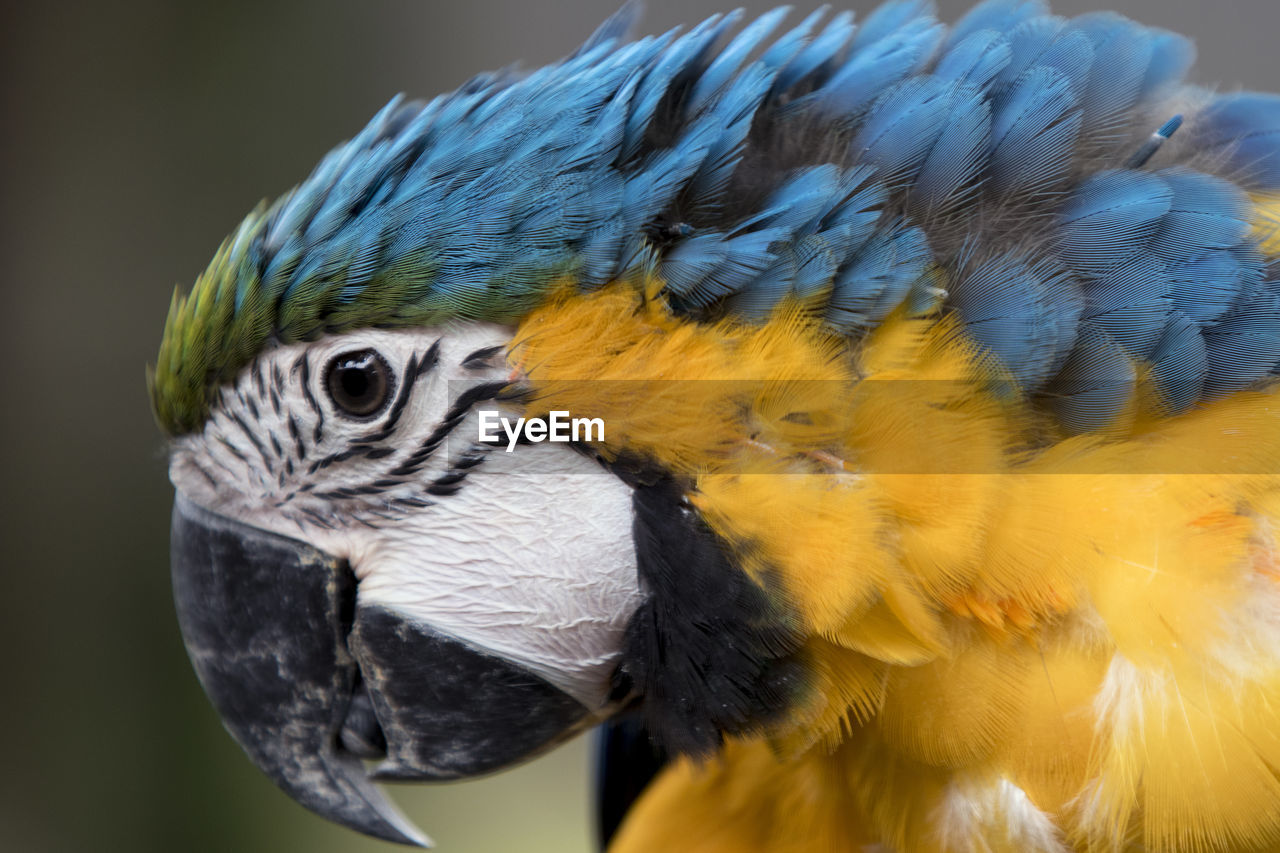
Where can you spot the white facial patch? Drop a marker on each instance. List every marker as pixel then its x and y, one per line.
pixel 533 560
pixel 527 554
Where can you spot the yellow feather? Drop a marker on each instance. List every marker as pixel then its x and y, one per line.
pixel 745 800
pixel 847 692
pixel 830 526
pixel 1179 765
pixel 955 712
pixel 1266 222
pixel 899 629
pixel 1046 748
pixel 687 394
pixel 1018 640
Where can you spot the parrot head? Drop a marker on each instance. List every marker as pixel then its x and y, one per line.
pixel 366 590
pixel 371 588
pixel 356 578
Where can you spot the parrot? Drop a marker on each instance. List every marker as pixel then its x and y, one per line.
pixel 928 496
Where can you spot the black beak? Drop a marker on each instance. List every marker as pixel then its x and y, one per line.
pixel 265 620
pixel 310 684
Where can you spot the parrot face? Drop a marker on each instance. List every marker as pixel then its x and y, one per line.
pixel 357 577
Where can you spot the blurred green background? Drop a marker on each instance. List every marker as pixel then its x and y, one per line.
pixel 136 134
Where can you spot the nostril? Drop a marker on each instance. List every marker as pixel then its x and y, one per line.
pixel 361 733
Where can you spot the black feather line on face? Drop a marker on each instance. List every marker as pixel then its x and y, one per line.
pixel 710 653
pixel 481 359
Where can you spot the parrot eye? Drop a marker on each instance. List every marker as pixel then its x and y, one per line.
pixel 359 383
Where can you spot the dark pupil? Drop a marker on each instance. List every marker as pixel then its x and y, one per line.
pixel 358 382
pixel 355 380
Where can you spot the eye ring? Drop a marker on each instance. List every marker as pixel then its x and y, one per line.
pixel 359 383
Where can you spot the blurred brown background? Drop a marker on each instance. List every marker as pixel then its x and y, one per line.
pixel 136 134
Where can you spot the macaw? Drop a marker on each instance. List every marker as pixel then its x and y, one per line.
pixel 935 500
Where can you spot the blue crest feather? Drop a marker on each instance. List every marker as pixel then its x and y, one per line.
pixel 998 15
pixel 904 127
pixel 1179 363
pixel 1244 346
pixel 1033 131
pixel 1024 310
pixel 953 171
pixel 1245 129
pixel 877 280
pixel 1095 385
pixel 1110 218
pixel 976 60
pixel 1131 303
pixel 853 169
pixel 1122 52
pixel 1046 42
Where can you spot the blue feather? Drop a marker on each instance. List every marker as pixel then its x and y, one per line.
pixel 1206 213
pixel 1205 287
pixel 1179 363
pixel 952 173
pixel 769 288
pixel 731 117
pixel 722 69
pixel 1255 272
pixel 903 127
pixel 1033 133
pixel 281 266
pixel 816 262
pixel 687 267
pixel 614 29
pixel 674 60
pixel 804 270
pixel 891 18
pixel 665 173
pixel 1244 346
pixel 1244 129
pixel 790 45
pixel 878 278
pixel 1022 310
pixel 998 15
pixel 1131 303
pixel 709 267
pixel 1095 384
pixel 1110 218
pixel 1046 43
pixel 858 208
pixel 977 60
pixel 820 53
pixel 805 198
pixel 872 69
pixel 832 216
pixel 744 182
pixel 1122 52
pixel 829 216
pixel 600 253
pixel 602 137
pixel 1172 56
pixel 344 181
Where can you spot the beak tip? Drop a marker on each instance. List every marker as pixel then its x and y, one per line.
pixel 407 834
pixel 378 816
pixel 399 832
